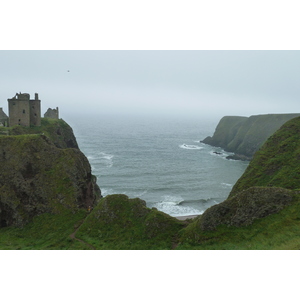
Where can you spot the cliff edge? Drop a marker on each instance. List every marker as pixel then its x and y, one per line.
pixel 244 136
pixel 42 170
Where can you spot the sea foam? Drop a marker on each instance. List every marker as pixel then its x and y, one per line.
pixel 190 147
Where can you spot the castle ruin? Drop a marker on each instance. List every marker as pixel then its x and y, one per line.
pixel 24 111
pixel 3 118
pixel 51 113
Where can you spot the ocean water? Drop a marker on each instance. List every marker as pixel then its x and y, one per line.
pixel 159 160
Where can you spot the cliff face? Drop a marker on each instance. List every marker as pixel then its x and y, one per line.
pixel 244 136
pixel 39 173
pixel 270 183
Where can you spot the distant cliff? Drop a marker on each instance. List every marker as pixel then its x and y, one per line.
pixel 244 136
pixel 42 170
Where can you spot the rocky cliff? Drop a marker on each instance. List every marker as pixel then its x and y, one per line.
pixel 270 183
pixel 42 170
pixel 244 136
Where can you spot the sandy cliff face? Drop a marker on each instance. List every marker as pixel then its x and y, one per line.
pixel 39 173
pixel 244 136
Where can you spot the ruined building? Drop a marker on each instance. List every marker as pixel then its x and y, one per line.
pixel 3 118
pixel 51 113
pixel 23 111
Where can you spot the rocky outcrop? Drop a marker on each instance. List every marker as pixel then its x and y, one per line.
pixel 247 206
pixel 244 136
pixel 39 174
pixel 118 219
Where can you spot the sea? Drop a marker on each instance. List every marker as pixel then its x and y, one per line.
pixel 158 159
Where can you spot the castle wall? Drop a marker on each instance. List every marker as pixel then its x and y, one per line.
pixel 35 112
pixel 23 111
pixel 19 112
pixel 52 113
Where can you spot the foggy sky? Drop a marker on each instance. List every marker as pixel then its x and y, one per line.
pixel 176 83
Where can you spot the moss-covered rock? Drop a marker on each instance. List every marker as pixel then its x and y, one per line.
pixel 244 136
pixel 37 177
pixel 245 207
pixel 122 223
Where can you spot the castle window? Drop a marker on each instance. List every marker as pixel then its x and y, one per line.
pixel 35 115
pixel 23 111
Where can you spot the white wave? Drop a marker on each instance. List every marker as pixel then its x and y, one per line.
pixel 171 206
pixel 190 147
pixel 226 184
pixel 106 156
pixel 105 192
pixel 102 158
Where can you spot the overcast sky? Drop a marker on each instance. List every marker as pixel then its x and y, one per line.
pixel 170 82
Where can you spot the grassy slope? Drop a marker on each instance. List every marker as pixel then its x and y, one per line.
pixel 277 163
pixel 116 223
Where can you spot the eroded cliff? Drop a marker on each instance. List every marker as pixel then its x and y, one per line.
pixel 41 173
pixel 244 136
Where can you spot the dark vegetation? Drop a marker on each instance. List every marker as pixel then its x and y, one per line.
pixel 262 212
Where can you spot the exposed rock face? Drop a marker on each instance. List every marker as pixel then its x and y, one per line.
pixel 244 136
pixel 37 176
pixel 245 207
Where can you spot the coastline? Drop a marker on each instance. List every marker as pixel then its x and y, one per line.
pixel 182 218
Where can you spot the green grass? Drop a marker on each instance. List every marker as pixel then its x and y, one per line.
pixel 47 231
pixel 279 231
pixel 57 130
pixel 277 162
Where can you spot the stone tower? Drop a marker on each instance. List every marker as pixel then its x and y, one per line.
pixel 35 111
pixel 23 111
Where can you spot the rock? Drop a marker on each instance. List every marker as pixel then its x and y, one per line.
pixel 39 174
pixel 244 136
pixel 245 207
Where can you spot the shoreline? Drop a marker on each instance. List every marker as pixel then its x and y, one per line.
pixel 182 218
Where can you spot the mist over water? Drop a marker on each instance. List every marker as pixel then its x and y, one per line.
pixel 159 160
